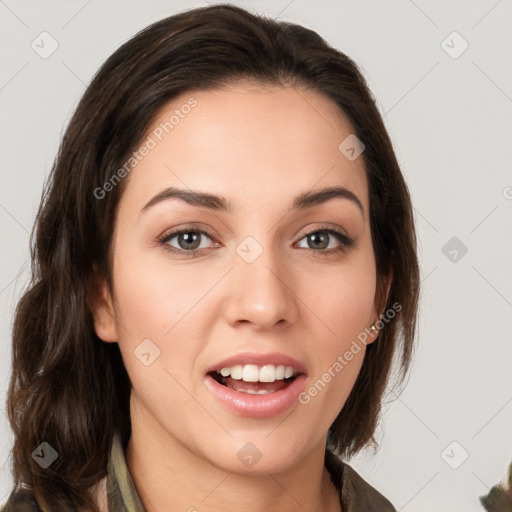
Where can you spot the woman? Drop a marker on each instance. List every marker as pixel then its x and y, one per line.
pixel 224 268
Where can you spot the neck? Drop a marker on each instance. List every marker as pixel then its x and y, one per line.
pixel 169 476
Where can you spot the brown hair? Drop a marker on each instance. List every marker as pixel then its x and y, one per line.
pixel 69 388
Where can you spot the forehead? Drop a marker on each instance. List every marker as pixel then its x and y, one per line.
pixel 256 145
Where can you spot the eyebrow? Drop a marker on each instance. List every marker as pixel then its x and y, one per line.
pixel 221 204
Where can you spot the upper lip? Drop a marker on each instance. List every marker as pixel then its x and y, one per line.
pixel 259 359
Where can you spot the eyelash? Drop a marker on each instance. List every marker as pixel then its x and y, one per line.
pixel 345 241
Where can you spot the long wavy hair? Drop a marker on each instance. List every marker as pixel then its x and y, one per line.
pixel 71 389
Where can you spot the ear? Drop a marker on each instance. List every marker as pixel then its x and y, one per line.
pixel 382 293
pixel 103 312
pixel 381 298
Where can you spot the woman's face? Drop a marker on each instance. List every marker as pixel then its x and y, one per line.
pixel 266 286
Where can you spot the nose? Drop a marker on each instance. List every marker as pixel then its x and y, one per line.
pixel 261 293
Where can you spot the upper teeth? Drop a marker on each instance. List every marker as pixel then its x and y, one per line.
pixel 254 373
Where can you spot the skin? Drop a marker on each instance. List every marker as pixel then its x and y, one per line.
pixel 260 147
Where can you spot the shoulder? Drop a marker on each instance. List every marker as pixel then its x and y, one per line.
pixel 356 494
pixel 22 500
pixel 368 498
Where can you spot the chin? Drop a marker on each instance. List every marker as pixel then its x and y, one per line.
pixel 260 456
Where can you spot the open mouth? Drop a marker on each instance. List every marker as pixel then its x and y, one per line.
pixel 253 381
pixel 258 390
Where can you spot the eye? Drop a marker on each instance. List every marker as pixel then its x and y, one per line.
pixel 320 240
pixel 188 241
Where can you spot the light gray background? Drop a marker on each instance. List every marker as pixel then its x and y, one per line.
pixel 450 120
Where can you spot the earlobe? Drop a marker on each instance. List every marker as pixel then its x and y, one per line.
pixel 105 324
pixel 373 333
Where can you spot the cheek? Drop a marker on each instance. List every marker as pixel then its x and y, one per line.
pixel 162 303
pixel 152 297
pixel 342 297
pixel 143 305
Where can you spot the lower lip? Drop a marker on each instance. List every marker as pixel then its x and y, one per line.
pixel 257 406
